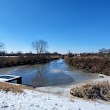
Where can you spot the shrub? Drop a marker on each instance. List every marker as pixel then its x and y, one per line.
pixel 100 90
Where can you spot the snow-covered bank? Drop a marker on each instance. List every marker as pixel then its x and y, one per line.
pixel 65 89
pixel 33 100
pixel 55 98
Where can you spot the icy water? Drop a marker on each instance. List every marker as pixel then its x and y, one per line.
pixel 55 73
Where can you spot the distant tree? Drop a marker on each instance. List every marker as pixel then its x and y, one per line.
pixel 40 46
pixel 103 51
pixel 3 53
pixel 70 54
pixel 48 53
pixel 1 45
pixel 19 53
pixel 12 53
pixel 55 53
pixel 30 53
pixel 109 51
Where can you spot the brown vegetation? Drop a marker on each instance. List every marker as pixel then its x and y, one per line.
pixel 25 60
pixel 13 88
pixel 19 58
pixel 9 87
pixel 100 90
pixel 94 64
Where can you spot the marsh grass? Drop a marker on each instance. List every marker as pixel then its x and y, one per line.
pixel 93 64
pixel 93 91
pixel 26 60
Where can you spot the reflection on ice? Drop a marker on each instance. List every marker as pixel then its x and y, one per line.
pixel 56 71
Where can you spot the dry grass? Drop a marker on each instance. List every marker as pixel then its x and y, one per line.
pixel 13 88
pixel 94 64
pixel 25 60
pixel 93 91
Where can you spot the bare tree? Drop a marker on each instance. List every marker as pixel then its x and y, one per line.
pixel 40 46
pixel 1 45
pixel 70 54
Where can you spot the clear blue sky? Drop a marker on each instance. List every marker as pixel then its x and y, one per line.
pixel 76 25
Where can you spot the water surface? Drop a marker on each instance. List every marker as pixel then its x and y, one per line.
pixel 57 72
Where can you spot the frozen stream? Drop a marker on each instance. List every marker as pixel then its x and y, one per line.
pixel 56 73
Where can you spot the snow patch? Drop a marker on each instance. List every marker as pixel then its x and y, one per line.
pixel 33 100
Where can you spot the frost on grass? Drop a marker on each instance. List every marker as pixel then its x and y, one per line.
pixel 100 90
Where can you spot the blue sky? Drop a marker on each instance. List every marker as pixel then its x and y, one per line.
pixel 75 25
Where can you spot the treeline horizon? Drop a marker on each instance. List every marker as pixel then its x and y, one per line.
pixel 40 47
pixel 100 52
pixel 44 44
pixel 41 56
pixel 19 53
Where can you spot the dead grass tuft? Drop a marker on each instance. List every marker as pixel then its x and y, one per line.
pixel 13 88
pixel 92 91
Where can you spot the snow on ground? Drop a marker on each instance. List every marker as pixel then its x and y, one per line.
pixel 64 90
pixel 56 98
pixel 33 100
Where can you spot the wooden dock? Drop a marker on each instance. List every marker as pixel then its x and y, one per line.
pixel 10 78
